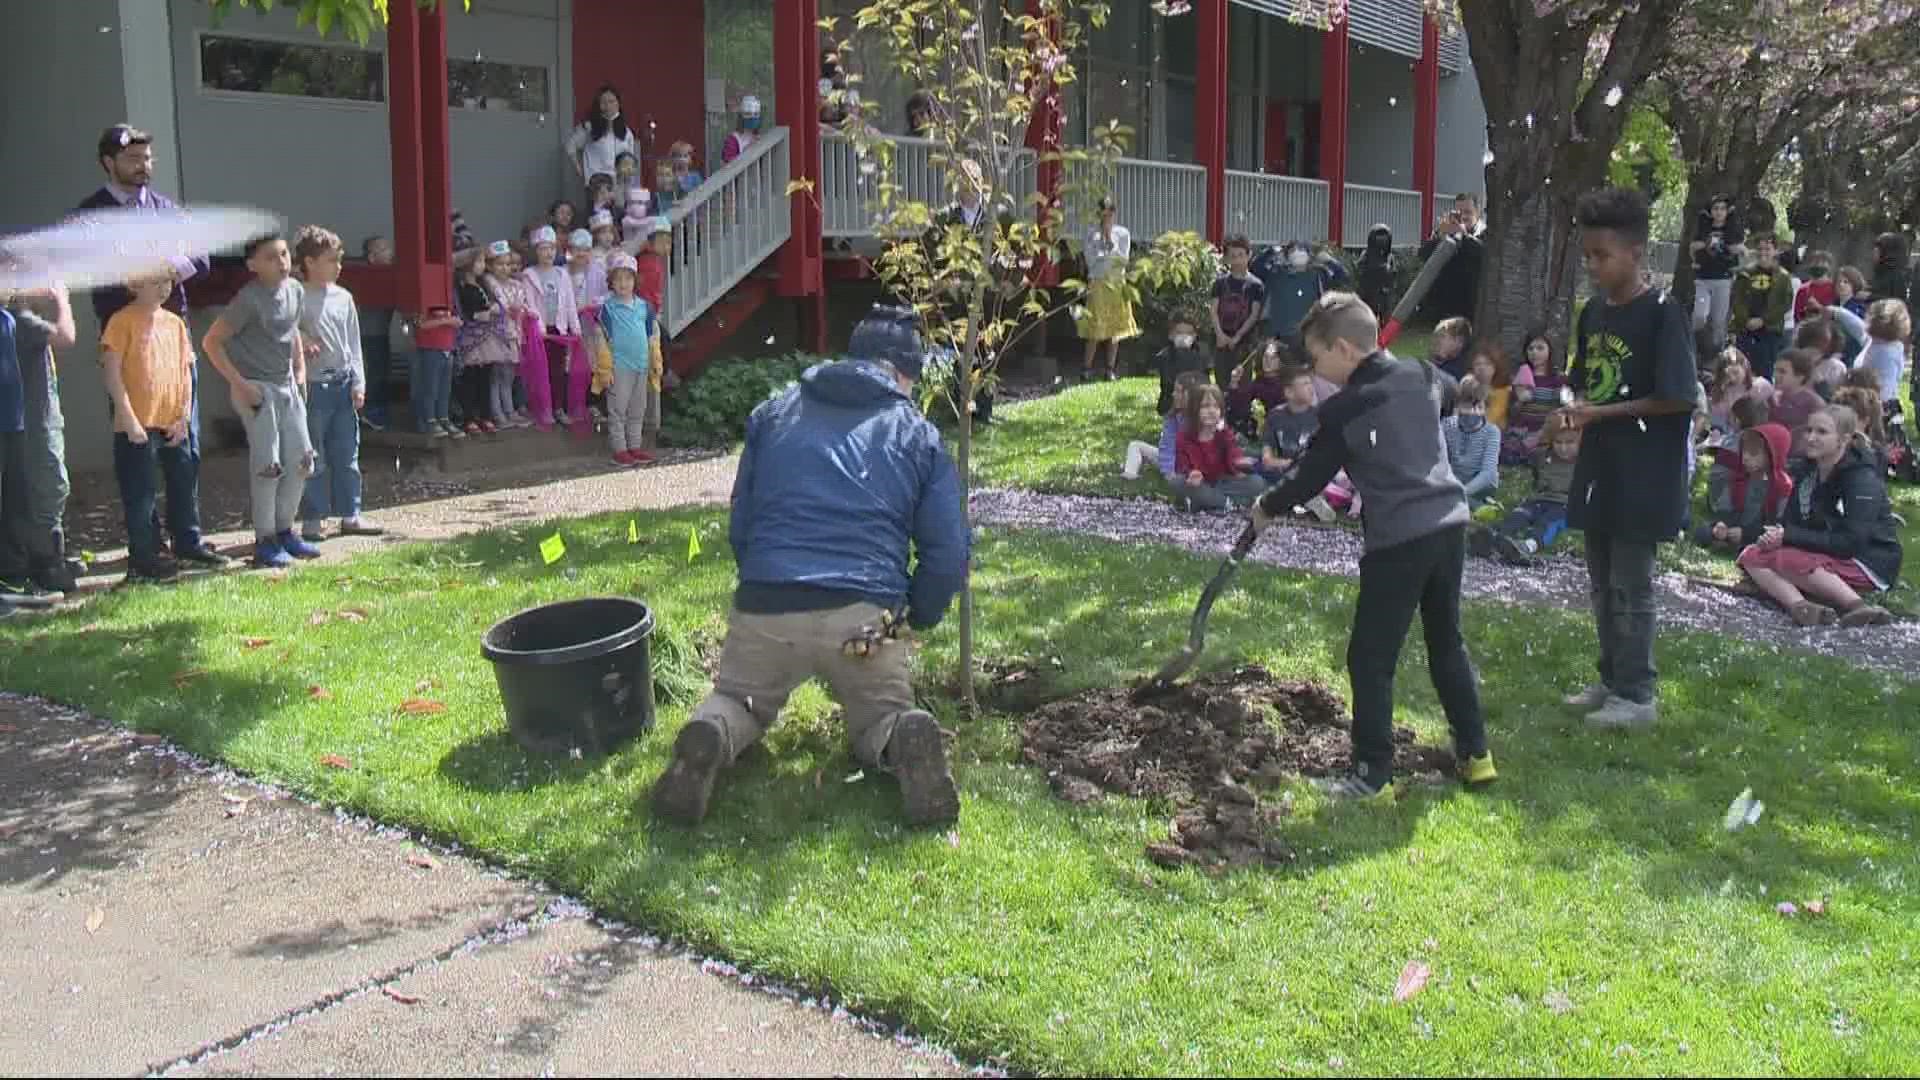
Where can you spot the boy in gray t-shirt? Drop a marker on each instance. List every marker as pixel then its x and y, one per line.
pixel 256 346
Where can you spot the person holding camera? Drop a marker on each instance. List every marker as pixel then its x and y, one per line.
pixel 1456 292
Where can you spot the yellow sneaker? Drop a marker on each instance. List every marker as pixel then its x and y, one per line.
pixel 1479 770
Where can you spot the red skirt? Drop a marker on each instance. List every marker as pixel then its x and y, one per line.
pixel 1796 562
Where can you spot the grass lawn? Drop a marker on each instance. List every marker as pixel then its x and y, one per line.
pixel 1587 914
pixel 1075 442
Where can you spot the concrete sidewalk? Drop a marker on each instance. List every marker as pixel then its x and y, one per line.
pixel 156 916
pixel 160 916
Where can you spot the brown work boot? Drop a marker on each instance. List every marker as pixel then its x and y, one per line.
pixel 682 791
pixel 917 753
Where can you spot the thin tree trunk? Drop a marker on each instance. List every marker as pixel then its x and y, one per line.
pixel 964 365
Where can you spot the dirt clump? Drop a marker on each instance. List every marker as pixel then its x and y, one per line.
pixel 1202 746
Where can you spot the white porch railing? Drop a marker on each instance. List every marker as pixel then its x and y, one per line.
pixel 849 186
pixel 1269 209
pixel 1370 206
pixel 1153 197
pixel 726 227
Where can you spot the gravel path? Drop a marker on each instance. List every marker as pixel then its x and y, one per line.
pixel 1561 581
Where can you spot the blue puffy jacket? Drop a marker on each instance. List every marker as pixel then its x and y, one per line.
pixel 838 475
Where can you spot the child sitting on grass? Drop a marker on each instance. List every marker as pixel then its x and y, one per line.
pixel 1533 526
pixel 1450 341
pixel 1181 355
pixel 1536 394
pixel 1211 471
pixel 1268 389
pixel 1793 396
pixel 1748 497
pixel 1287 432
pixel 1733 379
pixel 1473 445
pixel 1489 365
pixel 1837 537
pixel 1162 456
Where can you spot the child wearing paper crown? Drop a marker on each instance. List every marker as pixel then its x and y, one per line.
pixel 745 130
pixel 605 234
pixel 639 216
pixel 633 333
pixel 551 287
pixel 590 290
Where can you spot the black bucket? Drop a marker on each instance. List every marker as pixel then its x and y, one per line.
pixel 575 675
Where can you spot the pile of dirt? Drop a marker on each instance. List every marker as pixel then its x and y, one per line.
pixel 1201 746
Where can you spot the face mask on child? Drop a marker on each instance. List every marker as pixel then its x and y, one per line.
pixel 1299 259
pixel 1183 341
pixel 1471 424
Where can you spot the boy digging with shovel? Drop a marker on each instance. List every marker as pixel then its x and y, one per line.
pixel 1384 430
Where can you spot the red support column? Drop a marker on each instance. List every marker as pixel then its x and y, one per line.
pixel 403 126
pixel 1333 126
pixel 1043 138
pixel 1210 110
pixel 436 150
pixel 1426 117
pixel 417 132
pixel 796 76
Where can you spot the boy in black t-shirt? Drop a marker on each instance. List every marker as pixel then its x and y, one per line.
pixel 1238 300
pixel 1634 376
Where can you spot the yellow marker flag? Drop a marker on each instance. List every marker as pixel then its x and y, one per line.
pixel 693 543
pixel 633 531
pixel 552 548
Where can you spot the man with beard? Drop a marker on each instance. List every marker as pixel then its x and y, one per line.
pixel 126 157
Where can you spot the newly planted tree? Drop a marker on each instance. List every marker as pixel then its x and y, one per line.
pixel 978 253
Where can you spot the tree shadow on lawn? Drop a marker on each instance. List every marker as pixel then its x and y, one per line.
pixel 85 796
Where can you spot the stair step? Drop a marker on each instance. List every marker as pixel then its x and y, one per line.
pixel 501 450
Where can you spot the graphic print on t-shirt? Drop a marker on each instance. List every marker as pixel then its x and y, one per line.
pixel 1606 364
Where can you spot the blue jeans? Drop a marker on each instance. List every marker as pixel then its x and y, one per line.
pixel 430 385
pixel 377 352
pixel 180 468
pixel 334 428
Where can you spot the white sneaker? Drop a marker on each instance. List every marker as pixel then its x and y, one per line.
pixel 1590 698
pixel 1620 714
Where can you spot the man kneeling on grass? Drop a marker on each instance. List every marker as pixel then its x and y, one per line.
pixel 838 478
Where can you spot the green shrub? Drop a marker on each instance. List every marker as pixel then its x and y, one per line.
pixel 712 408
pixel 1175 279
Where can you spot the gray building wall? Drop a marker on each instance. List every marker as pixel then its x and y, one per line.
pixel 331 161
pixel 88 64
pixel 104 61
pixel 1461 144
pixel 1379 118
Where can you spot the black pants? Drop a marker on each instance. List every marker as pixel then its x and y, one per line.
pixel 1422 573
pixel 1620 575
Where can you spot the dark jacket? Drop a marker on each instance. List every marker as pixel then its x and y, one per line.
pixel 1458 287
pixel 1384 429
pixel 111 298
pixel 1847 514
pixel 839 477
pixel 1378 272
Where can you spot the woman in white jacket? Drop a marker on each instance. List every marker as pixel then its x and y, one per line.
pixel 596 145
